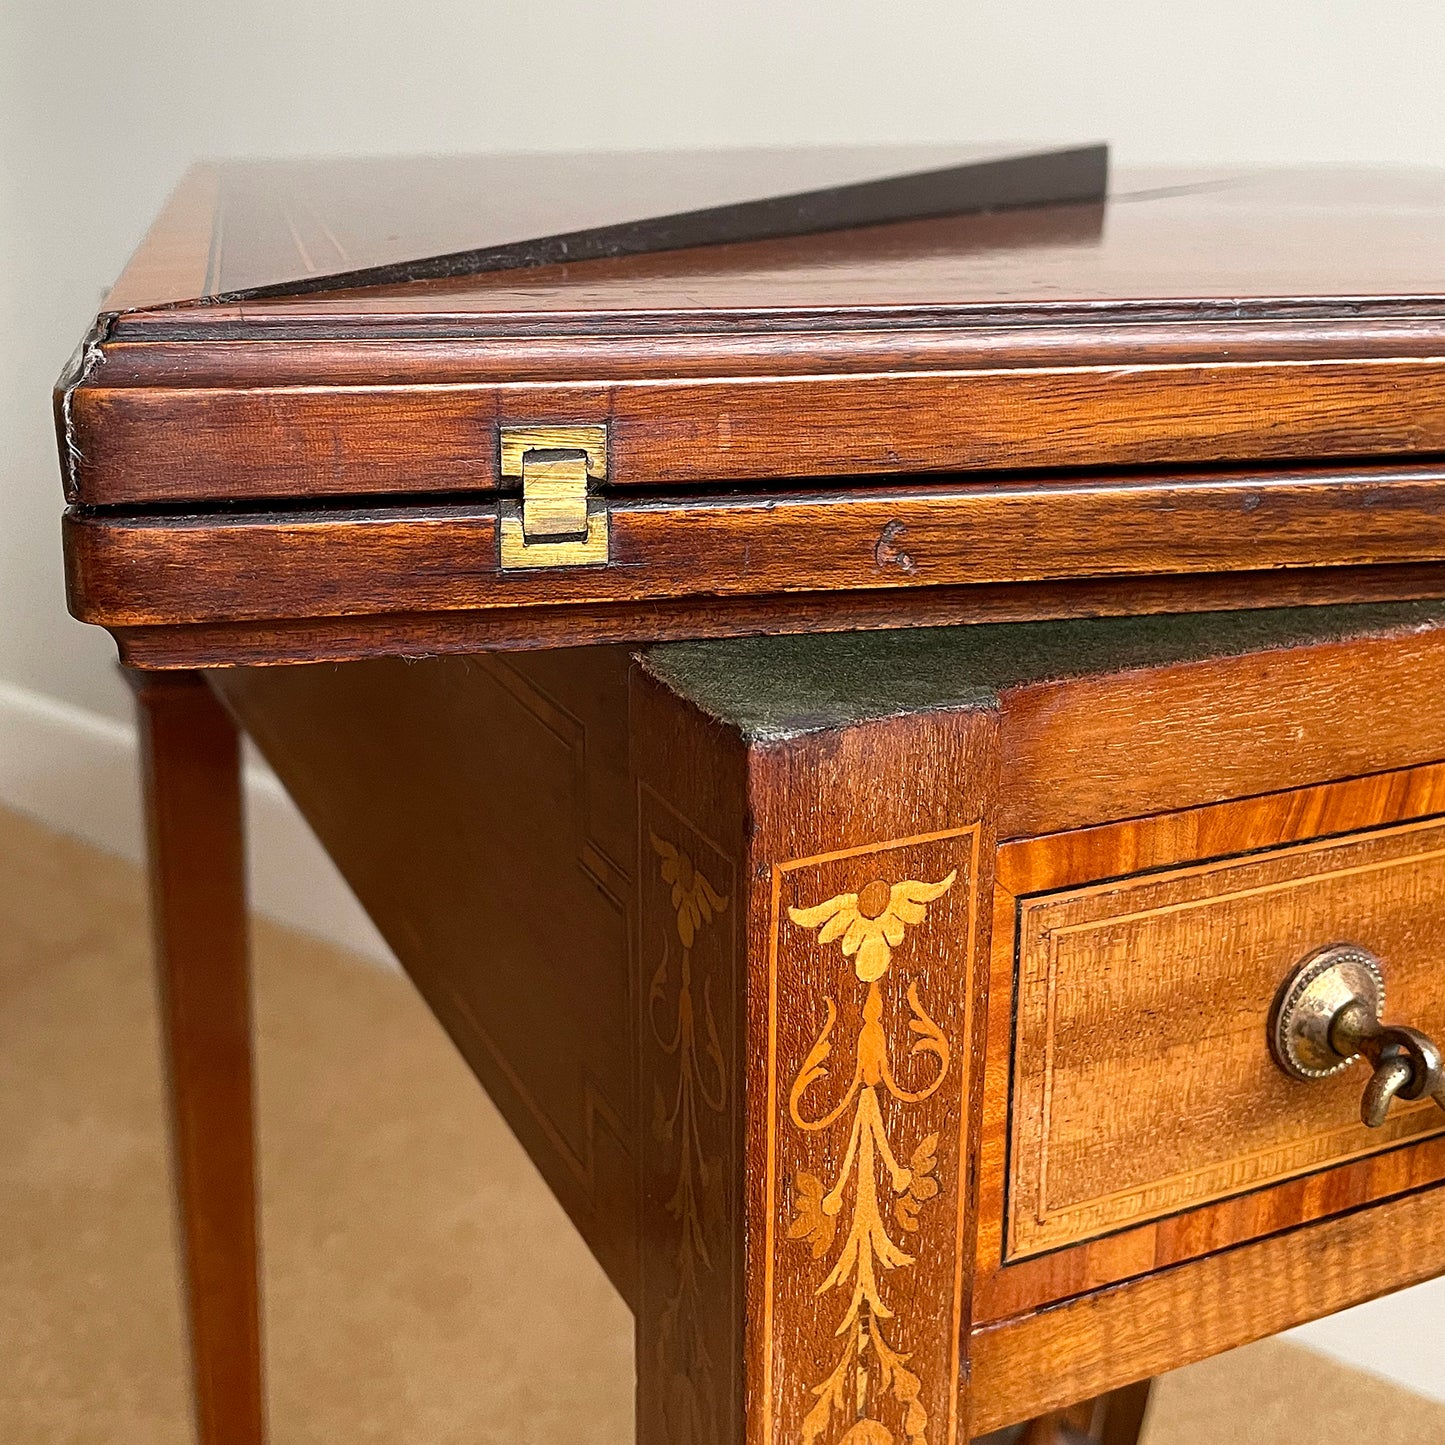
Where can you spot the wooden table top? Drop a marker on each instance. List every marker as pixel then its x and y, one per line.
pixel 242 228
pixel 1265 242
pixel 1214 389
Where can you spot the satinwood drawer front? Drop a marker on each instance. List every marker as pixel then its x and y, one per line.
pixel 1142 1080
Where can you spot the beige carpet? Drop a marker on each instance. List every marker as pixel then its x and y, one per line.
pixel 422 1287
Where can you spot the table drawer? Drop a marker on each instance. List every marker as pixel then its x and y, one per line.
pixel 1143 1081
pixel 1135 1115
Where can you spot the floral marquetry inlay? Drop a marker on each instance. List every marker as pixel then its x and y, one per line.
pixel 872 923
pixel 690 1096
pixel 694 899
pixel 874 1085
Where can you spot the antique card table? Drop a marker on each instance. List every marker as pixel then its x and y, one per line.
pixel 909 760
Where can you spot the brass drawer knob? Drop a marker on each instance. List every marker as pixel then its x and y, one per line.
pixel 1328 1014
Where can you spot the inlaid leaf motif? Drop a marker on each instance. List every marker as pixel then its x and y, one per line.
pixel 809 1220
pixel 684 1030
pixel 872 923
pixel 830 1398
pixel 905 1385
pixel 694 899
pixel 922 1185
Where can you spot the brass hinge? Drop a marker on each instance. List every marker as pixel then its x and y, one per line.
pixel 559 522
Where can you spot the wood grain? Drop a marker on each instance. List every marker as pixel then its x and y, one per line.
pixel 898 799
pixel 298 226
pixel 154 348
pixel 688 809
pixel 146 571
pixel 480 810
pixel 1090 370
pixel 264 442
pixel 1279 825
pixel 1143 1084
pixel 1351 243
pixel 1049 1359
pixel 799 822
pixel 1195 319
pixel 1290 815
pixel 411 634
pixel 174 259
pixel 1140 741
pixel 191 769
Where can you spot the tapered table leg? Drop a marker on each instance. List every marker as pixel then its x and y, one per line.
pixel 193 805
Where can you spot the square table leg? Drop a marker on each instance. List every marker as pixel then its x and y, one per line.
pixel 809 924
pixel 191 758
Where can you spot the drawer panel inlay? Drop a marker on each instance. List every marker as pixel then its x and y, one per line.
pixel 1143 1083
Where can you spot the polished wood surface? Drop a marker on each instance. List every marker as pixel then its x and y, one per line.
pixel 436 434
pixel 413 634
pixel 191 769
pixel 1166 738
pixel 1280 822
pixel 155 570
pixel 173 261
pixel 299 226
pixel 776 858
pixel 861 1158
pixel 1263 237
pixel 1046 1360
pixel 692 941
pixel 1218 374
pixel 504 891
pixel 1139 1084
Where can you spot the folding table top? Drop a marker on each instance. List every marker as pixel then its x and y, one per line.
pixel 1202 374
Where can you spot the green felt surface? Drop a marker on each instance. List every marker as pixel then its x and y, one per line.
pixel 780 686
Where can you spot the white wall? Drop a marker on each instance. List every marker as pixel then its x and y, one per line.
pixel 103 102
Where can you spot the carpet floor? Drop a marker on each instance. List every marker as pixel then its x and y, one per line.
pixel 422 1287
